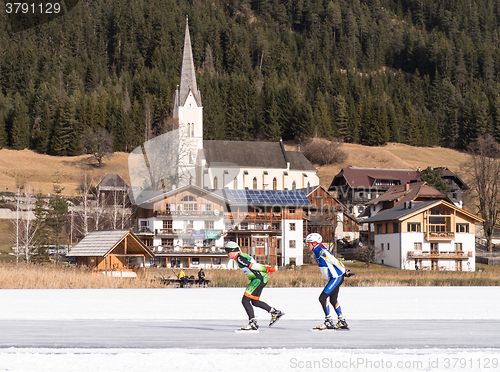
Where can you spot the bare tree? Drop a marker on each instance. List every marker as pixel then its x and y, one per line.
pixel 25 223
pixel 484 171
pixel 98 143
pixel 321 151
pixel 85 190
pixel 369 254
pixel 163 163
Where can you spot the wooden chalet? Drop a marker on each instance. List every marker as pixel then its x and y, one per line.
pixel 328 216
pixel 111 251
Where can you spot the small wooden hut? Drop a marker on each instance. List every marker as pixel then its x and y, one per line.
pixel 111 251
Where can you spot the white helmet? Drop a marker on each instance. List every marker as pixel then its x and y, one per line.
pixel 232 247
pixel 314 238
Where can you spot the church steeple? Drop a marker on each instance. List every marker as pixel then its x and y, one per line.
pixel 188 78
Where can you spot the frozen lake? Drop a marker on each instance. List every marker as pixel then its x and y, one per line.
pixel 392 328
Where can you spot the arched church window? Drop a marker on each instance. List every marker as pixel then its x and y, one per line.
pixel 235 183
pixel 216 186
pixel 255 183
pixel 294 185
pixel 275 183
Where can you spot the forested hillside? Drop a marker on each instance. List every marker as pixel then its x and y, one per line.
pixel 420 72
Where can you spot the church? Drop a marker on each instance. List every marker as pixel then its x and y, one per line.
pixel 241 165
pixel 194 195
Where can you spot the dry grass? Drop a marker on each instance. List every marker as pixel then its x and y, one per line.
pixel 31 276
pixel 40 171
pixel 396 156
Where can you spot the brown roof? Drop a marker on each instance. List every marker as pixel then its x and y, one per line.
pixel 254 154
pixel 100 243
pixel 366 177
pixel 421 190
pixel 112 181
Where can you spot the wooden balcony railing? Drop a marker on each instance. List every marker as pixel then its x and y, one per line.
pixel 439 255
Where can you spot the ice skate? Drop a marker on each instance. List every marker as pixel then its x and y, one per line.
pixel 341 324
pixel 252 325
pixel 328 324
pixel 275 315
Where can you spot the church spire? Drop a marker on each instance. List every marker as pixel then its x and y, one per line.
pixel 188 78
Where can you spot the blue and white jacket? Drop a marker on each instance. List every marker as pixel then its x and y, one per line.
pixel 329 265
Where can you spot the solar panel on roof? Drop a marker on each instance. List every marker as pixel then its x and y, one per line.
pixel 268 196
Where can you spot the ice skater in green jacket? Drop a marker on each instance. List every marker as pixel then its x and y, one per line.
pixel 256 272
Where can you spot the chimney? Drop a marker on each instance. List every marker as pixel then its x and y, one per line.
pixel 407 186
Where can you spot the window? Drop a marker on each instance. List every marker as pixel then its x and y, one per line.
pixel 216 186
pixel 458 247
pixel 388 246
pixel 275 184
pixel 294 185
pixel 414 227
pixel 188 224
pixel 292 244
pixel 255 183
pixel 379 228
pixel 209 225
pixel 291 210
pixel 189 203
pixel 195 261
pixel 462 227
pixel 292 227
pixel 235 183
pixel 144 223
pixel 395 227
pixel 167 242
pixel 434 247
pixel 244 226
pixel 216 260
pixel 167 224
pixel 382 246
pixel 417 246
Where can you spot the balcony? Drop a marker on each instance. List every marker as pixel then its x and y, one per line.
pixel 188 231
pixel 440 236
pixel 162 213
pixel 188 250
pixel 455 255
pixel 143 230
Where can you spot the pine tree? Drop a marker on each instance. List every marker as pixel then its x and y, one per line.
pixel 322 119
pixel 63 134
pixel 20 127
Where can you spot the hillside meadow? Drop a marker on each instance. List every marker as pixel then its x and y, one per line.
pixel 41 171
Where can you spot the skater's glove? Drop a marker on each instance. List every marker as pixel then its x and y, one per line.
pixel 269 269
pixel 348 273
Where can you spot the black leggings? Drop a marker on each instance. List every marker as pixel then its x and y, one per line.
pixel 331 291
pixel 248 302
pixel 252 297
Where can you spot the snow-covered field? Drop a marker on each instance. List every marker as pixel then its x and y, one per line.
pixel 375 303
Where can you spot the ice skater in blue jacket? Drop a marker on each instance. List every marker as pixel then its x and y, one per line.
pixel 333 270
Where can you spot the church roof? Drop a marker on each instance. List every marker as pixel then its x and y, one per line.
pixel 254 154
pixel 188 77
